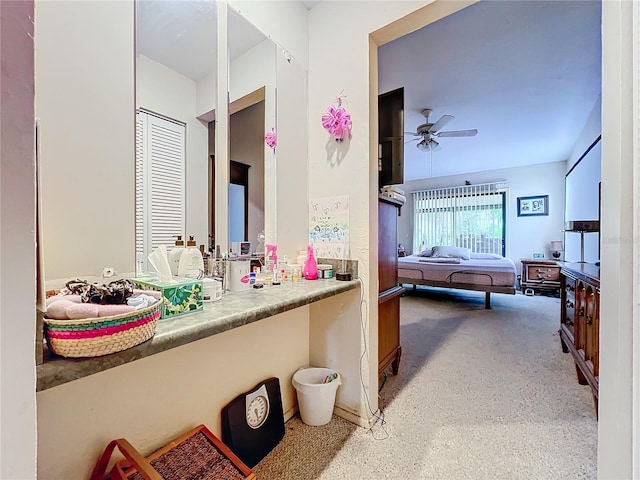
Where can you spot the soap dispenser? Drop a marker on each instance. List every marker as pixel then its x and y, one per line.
pixel 191 263
pixel 310 270
pixel 174 255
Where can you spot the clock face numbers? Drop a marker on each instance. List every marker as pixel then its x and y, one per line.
pixel 257 411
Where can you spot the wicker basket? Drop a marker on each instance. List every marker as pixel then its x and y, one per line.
pixel 92 337
pixel 195 455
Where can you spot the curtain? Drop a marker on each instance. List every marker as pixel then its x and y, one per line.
pixel 471 216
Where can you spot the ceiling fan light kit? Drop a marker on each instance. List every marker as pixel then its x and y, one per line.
pixel 429 130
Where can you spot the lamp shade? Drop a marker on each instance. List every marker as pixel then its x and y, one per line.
pixel 556 246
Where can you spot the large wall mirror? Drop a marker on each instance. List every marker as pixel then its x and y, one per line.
pixel 176 88
pixel 252 113
pixel 94 70
pixel 176 85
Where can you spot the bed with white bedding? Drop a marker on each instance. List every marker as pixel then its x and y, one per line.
pixel 487 273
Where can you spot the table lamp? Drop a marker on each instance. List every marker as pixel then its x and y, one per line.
pixel 556 249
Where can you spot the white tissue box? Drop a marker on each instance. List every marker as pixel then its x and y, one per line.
pixel 181 295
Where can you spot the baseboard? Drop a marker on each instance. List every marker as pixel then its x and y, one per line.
pixel 342 413
pixel 352 417
pixel 290 413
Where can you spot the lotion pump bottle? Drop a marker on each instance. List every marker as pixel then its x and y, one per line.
pixel 310 270
pixel 191 264
pixel 174 255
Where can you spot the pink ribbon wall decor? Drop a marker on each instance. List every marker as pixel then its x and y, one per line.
pixel 271 139
pixel 337 121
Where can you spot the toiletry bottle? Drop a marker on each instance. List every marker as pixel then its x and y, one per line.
pixel 174 255
pixel 271 257
pixel 191 264
pixel 282 264
pixel 310 270
pixel 301 258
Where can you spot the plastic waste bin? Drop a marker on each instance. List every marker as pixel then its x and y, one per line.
pixel 316 389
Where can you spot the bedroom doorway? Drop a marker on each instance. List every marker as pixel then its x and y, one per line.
pixel 619 186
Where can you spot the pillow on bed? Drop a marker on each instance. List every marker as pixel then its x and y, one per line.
pixel 451 252
pixel 486 256
pixel 426 253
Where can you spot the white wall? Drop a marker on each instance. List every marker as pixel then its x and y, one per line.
pixel 84 99
pixel 582 190
pixel 166 92
pixel 525 235
pixel 339 61
pixel 618 421
pixel 154 399
pixel 17 243
pixel 283 21
pixel 592 130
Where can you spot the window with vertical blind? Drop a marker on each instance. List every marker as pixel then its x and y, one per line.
pixel 160 179
pixel 471 216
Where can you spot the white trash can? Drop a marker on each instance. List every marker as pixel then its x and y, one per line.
pixel 315 397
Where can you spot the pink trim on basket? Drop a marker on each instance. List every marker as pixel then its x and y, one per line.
pixel 101 332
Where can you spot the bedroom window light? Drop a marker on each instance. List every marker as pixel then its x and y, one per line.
pixel 470 216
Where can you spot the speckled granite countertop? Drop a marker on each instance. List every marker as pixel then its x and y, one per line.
pixel 235 309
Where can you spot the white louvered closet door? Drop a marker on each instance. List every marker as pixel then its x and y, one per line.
pixel 160 179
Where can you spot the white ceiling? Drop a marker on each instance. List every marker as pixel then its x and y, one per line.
pixel 182 35
pixel 526 74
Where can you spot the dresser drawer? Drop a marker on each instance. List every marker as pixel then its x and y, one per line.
pixel 543 272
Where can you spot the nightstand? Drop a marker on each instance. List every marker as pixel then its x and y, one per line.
pixel 539 274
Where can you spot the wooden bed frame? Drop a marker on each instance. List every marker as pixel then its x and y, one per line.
pixel 488 289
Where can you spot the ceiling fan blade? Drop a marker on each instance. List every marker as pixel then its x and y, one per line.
pixel 415 134
pixel 412 140
pixel 457 133
pixel 440 123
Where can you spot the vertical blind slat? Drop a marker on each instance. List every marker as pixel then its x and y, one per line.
pixel 469 216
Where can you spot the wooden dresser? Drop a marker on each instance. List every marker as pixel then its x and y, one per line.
pixel 389 349
pixel 539 274
pixel 580 320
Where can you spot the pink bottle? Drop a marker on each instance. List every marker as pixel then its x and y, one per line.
pixel 310 269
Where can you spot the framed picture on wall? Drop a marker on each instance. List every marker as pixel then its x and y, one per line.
pixel 532 206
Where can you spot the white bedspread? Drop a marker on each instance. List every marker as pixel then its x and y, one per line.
pixel 496 272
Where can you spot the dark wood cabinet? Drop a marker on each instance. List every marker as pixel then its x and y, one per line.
pixel 580 320
pixel 539 275
pixel 391 138
pixel 389 349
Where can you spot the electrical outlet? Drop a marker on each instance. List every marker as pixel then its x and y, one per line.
pixel 108 272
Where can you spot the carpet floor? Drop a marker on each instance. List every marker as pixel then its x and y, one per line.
pixel 480 394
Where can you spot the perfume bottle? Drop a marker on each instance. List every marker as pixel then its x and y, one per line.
pixel 310 270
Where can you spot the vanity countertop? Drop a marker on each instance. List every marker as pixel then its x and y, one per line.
pixel 235 309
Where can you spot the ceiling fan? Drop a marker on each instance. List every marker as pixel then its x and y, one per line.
pixel 428 131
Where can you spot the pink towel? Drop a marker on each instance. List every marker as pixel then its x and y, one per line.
pixel 109 310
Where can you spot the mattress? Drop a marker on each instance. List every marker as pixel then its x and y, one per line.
pixel 495 271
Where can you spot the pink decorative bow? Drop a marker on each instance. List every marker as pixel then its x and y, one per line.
pixel 271 139
pixel 337 121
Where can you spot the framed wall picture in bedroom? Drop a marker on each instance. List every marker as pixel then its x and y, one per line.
pixel 532 206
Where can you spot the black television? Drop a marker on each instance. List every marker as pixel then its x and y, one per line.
pixel 391 138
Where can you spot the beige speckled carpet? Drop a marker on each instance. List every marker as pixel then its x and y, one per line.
pixel 481 394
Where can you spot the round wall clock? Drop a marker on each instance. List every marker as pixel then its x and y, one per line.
pixel 253 422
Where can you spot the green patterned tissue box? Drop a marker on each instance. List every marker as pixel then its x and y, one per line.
pixel 181 295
